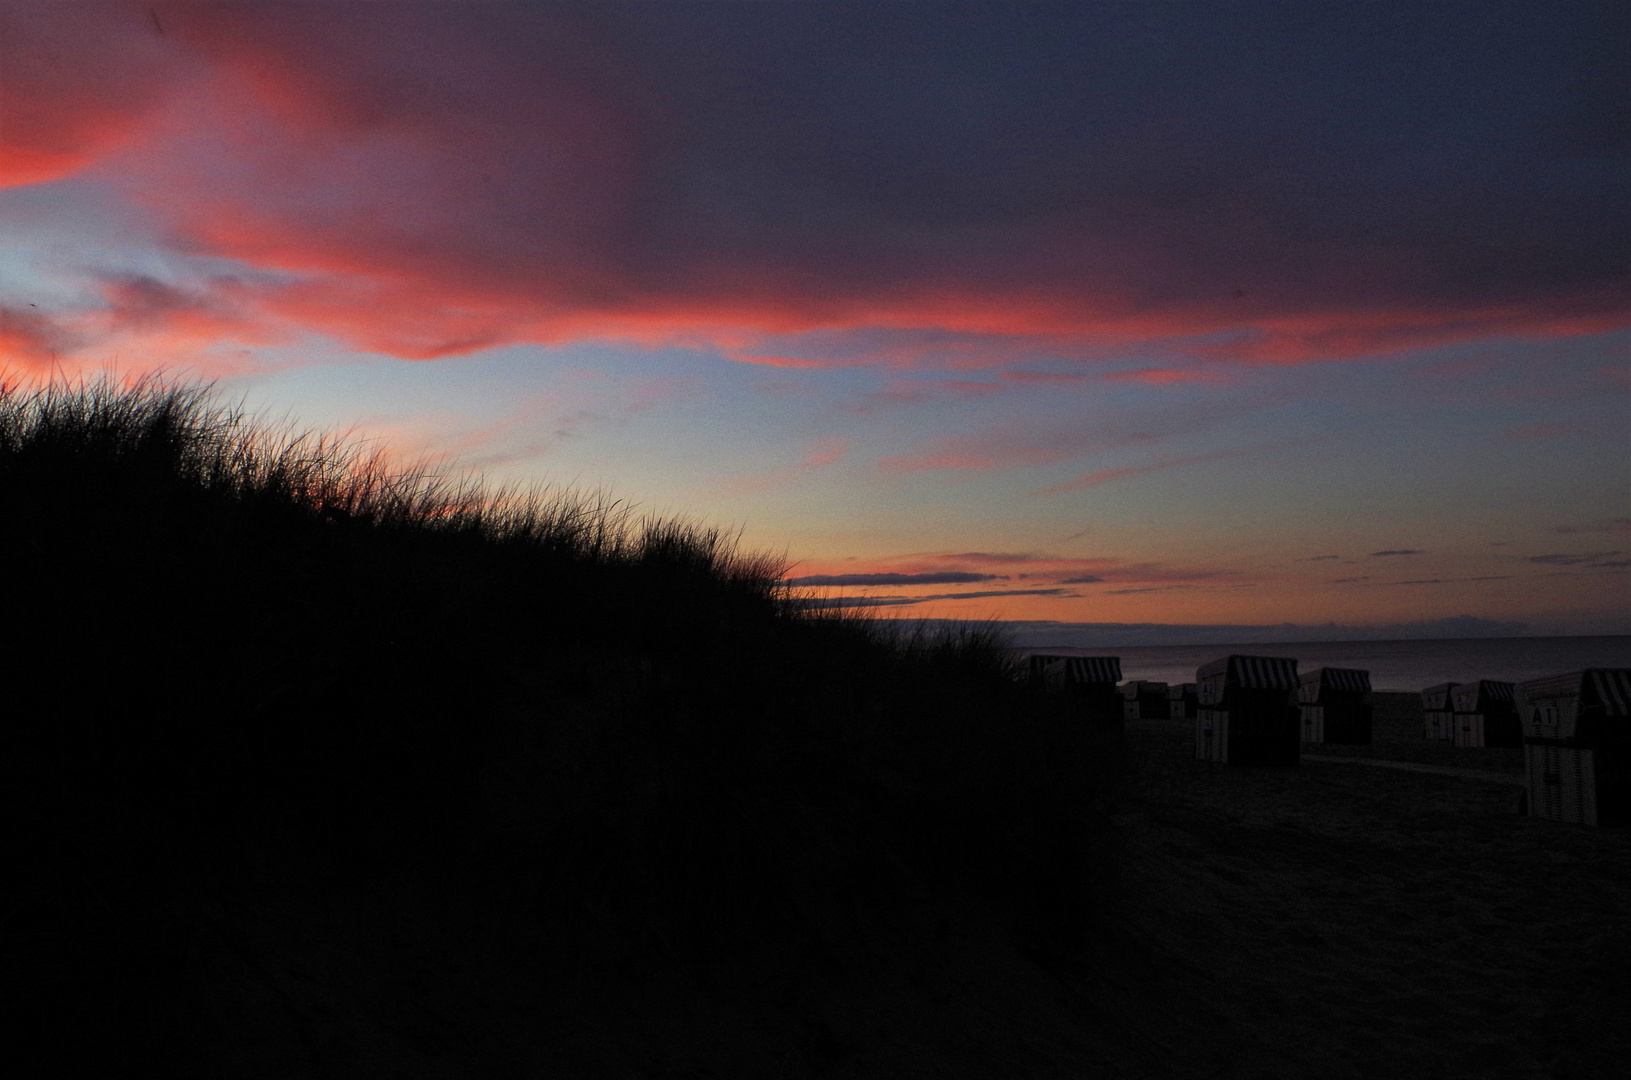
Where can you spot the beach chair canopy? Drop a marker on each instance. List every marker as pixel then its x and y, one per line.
pixel 1342 680
pixel 1076 669
pixel 1137 688
pixel 1042 662
pixel 1552 707
pixel 1610 690
pixel 1093 669
pixel 1178 691
pixel 1481 695
pixel 1251 672
pixel 1318 683
pixel 1214 682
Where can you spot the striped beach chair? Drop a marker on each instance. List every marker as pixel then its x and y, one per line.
pixel 1438 712
pixel 1577 745
pixel 1088 681
pixel 1333 707
pixel 1486 714
pixel 1247 711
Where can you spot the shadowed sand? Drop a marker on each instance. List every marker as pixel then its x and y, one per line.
pixel 1263 923
pixel 1367 922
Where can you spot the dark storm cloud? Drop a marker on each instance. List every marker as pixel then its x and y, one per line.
pixel 976 182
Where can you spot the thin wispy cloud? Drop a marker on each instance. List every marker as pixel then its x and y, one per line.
pixel 1166 376
pixel 1448 581
pixel 1149 589
pixel 1018 447
pixel 1620 525
pixel 1181 588
pixel 1590 558
pixel 1002 557
pixel 906 601
pixel 822 454
pixel 1063 571
pixel 1045 377
pixel 894 579
pixel 1023 444
pixel 913 392
pixel 1100 477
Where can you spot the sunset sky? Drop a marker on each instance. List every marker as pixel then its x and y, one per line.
pixel 1194 313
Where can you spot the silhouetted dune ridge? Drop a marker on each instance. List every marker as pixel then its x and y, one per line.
pixel 253 669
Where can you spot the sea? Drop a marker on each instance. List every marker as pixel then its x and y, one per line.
pixel 1393 665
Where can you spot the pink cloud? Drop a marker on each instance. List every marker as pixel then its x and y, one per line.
pixel 29 340
pixel 827 450
pixel 535 178
pixel 78 82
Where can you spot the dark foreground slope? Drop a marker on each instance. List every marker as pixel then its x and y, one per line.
pixel 316 768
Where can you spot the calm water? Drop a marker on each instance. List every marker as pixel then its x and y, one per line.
pixel 1394 665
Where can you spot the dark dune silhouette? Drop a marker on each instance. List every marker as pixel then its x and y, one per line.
pixel 299 742
pixel 319 767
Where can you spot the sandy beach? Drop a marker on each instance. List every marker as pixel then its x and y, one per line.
pixel 1338 921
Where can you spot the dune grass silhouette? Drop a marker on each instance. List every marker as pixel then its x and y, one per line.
pixel 247 662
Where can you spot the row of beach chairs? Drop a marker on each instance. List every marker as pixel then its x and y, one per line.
pixel 1575 728
pixel 1329 702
